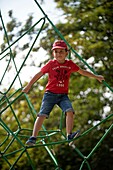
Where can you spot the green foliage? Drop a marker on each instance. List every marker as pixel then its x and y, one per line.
pixel 88 29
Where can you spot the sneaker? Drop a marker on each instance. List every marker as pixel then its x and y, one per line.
pixel 72 136
pixel 31 141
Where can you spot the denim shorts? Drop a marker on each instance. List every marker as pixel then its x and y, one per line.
pixel 50 99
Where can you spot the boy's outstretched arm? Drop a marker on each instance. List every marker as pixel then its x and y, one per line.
pixel 89 74
pixel 33 80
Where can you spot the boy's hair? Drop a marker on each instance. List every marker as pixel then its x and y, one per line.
pixel 59 44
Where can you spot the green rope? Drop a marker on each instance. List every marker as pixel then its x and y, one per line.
pixel 7 101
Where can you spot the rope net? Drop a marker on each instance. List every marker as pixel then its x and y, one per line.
pixel 20 133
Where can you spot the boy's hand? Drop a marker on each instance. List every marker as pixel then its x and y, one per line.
pixel 100 78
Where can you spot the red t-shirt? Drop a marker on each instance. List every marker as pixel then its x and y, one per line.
pixel 59 74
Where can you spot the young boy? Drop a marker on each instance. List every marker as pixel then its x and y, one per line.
pixel 56 92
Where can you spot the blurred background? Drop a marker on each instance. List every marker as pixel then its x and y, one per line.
pixel 88 28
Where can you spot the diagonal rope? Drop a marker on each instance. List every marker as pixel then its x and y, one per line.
pixel 7 101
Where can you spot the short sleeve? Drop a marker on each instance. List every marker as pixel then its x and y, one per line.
pixel 46 68
pixel 74 67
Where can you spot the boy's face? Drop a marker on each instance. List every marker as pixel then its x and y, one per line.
pixel 60 54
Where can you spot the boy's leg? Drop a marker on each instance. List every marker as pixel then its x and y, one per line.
pixel 69 122
pixel 47 105
pixel 69 127
pixel 38 124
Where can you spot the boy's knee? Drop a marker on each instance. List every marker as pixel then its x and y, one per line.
pixel 69 112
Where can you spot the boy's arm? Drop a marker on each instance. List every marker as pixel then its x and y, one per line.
pixel 33 80
pixel 89 74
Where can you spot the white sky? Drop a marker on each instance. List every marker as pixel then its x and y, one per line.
pixel 21 9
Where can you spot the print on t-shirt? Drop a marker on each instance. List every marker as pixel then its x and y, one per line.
pixel 61 76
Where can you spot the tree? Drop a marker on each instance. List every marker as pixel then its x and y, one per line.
pixel 87 26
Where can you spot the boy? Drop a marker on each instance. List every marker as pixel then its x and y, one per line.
pixel 56 92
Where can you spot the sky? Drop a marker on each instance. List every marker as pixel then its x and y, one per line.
pixel 21 9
